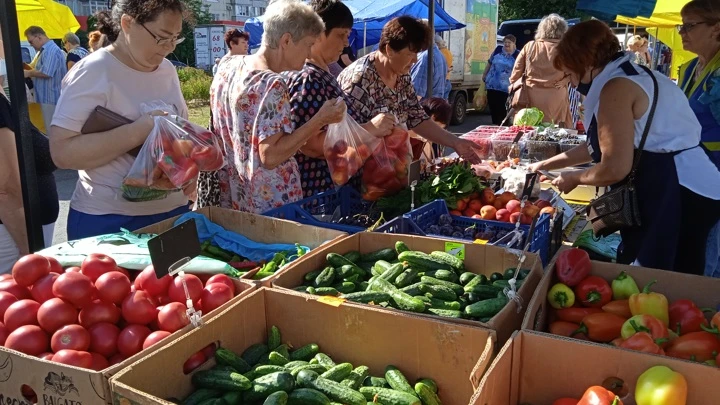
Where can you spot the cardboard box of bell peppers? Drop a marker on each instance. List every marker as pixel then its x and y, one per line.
pixel 635 308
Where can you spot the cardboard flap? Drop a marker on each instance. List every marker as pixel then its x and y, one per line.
pixel 495 386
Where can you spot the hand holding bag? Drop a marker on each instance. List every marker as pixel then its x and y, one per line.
pixel 618 209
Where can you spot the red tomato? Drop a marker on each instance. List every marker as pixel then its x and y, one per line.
pixel 103 338
pixel 131 339
pixel 139 308
pixel 5 276
pixel 4 333
pixel 163 300
pixel 29 339
pixel 148 281
pixel 127 273
pixel 113 287
pixel 75 358
pixel 96 265
pixel 154 338
pixel 20 292
pixel 74 288
pixel 29 269
pixel 176 292
pixel 222 279
pixel 6 299
pixel 182 147
pixel 98 312
pixel 99 362
pixel 73 269
pixel 56 313
pixel 55 266
pixel 41 291
pixel 46 356
pixel 195 361
pixel 172 317
pixel 116 359
pixel 20 313
pixel 215 295
pixel 207 158
pixel 397 138
pixel 71 337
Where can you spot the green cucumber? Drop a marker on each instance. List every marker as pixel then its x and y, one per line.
pixel 447 313
pixel 274 338
pixel 200 395
pixel 479 279
pixel 306 352
pixel 325 278
pixel 406 278
pixel 297 363
pixel 277 359
pixel 277 398
pixel 269 384
pixel 486 308
pixel 307 396
pixel 362 286
pixel 402 300
pixel 388 254
pixel 334 391
pixel 338 373
pixel 413 289
pixel 485 291
pixel 445 275
pixel 496 276
pixel 283 350
pixel 506 284
pixel 265 370
pixel 380 267
pixel 430 383
pixel 427 394
pixel 523 274
pixel 346 287
pixel 389 396
pixel 466 277
pixel 397 380
pixel 315 368
pixel 367 297
pixel 353 256
pixel 228 358
pixel 393 272
pixel 356 377
pixel 324 360
pixel 423 261
pixel 310 290
pixel 379 382
pixel 456 288
pixel 233 398
pixel 221 380
pixel 440 292
pixel 302 288
pixel 337 260
pixel 455 263
pixel 326 291
pixel 440 304
pixel 400 247
pixel 214 401
pixel 310 277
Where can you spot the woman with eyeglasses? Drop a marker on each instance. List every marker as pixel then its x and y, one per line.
pixel 121 77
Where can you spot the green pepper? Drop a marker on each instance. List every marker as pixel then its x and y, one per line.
pixel 624 286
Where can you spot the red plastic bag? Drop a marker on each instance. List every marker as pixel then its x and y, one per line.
pixel 386 172
pixel 171 158
pixel 347 146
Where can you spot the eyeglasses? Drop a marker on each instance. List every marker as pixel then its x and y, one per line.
pixel 160 41
pixel 683 28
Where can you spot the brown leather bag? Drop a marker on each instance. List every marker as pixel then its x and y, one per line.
pixel 519 97
pixel 102 119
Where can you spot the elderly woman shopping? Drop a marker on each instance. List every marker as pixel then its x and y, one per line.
pixel 251 112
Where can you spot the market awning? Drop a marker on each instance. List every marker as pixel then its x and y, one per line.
pixel 665 14
pixel 55 18
pixel 609 9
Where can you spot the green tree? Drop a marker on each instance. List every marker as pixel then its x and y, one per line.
pixel 525 9
pixel 196 14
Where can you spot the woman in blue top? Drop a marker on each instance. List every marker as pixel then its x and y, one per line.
pixel 497 77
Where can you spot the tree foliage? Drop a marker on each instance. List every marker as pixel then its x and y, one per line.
pixel 196 14
pixel 526 9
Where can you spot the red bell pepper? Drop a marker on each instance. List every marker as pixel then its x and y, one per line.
pixel 180 170
pixel 650 303
pixel 207 158
pixel 618 307
pixel 598 395
pixel 567 329
pixel 572 266
pixel 593 292
pixel 643 342
pixel 601 327
pixel 576 314
pixel 647 324
pixel 686 317
pixel 695 346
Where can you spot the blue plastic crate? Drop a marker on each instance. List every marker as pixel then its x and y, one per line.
pixel 428 215
pixel 400 225
pixel 347 199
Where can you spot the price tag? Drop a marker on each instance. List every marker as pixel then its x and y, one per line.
pixel 173 248
pixel 414 172
pixel 332 301
pixel 456 249
pixel 481 242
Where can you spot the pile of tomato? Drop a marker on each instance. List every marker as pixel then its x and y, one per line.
pixel 387 172
pixel 97 315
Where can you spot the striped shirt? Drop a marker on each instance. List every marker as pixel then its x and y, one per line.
pixel 50 63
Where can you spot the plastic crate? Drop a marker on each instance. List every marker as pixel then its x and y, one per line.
pixel 428 215
pixel 400 225
pixel 307 210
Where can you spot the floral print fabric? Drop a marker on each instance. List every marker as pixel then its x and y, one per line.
pixel 249 106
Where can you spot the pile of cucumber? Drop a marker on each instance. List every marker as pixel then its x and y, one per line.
pixel 272 374
pixel 434 283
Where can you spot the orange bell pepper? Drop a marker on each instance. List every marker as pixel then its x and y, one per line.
pixel 598 395
pixel 650 303
pixel 601 327
pixel 618 307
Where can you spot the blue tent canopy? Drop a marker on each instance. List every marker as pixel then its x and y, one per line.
pixel 370 16
pixel 607 10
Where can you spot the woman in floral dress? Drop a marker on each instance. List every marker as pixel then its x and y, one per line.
pixel 251 112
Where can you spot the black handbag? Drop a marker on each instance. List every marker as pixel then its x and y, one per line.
pixel 618 209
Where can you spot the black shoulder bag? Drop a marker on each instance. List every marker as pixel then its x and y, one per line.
pixel 618 209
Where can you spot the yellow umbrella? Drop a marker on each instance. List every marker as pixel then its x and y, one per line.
pixel 25 5
pixel 55 18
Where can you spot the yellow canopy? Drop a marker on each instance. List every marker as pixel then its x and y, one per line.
pixel 666 14
pixel 55 18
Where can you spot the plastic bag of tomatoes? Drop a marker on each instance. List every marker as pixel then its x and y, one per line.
pixel 386 172
pixel 171 158
pixel 346 148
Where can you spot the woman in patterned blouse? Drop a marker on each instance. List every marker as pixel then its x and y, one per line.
pixel 314 85
pixel 380 83
pixel 251 112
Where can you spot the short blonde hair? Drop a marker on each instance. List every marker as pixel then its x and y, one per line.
pixel 636 41
pixel 551 27
pixel 289 17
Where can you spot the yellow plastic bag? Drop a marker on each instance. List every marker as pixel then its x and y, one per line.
pixel 480 99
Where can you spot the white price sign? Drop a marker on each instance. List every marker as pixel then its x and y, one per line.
pixel 217 42
pixel 202 47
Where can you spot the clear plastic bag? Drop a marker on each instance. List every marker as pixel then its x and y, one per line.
pixel 347 146
pixel 386 172
pixel 171 158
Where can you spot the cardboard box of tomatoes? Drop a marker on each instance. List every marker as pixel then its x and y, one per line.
pixel 540 369
pixel 455 356
pixel 633 308
pixel 64 332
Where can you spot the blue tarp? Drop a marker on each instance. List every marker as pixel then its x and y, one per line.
pixel 370 16
pixel 608 9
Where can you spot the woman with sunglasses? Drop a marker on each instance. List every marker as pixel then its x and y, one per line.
pixel 121 77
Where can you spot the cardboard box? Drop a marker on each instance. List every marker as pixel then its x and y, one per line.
pixel 480 259
pixel 260 229
pixel 537 368
pixel 702 290
pixel 454 355
pixel 55 383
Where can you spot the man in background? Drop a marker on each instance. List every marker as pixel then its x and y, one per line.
pixel 48 72
pixel 420 78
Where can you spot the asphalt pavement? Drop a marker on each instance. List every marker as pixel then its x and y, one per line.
pixel 66 179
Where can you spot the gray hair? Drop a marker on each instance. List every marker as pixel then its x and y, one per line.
pixel 289 17
pixel 551 27
pixel 440 42
pixel 34 30
pixel 71 39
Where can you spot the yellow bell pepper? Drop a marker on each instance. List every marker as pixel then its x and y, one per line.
pixel 650 303
pixel 660 385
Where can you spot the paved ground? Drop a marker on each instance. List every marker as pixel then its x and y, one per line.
pixel 66 179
